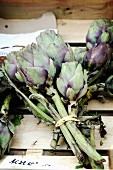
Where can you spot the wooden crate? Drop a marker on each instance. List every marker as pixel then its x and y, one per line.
pixel 32 140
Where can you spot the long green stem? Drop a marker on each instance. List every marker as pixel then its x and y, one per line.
pixel 37 110
pixel 64 129
pixel 92 140
pixel 83 144
pixel 69 138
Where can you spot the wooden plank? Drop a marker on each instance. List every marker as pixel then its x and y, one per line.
pixel 73 30
pixel 99 106
pixel 55 162
pixel 30 135
pixel 110 153
pixel 66 9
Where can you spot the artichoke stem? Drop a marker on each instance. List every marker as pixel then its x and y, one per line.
pixel 70 140
pixel 80 140
pixel 92 140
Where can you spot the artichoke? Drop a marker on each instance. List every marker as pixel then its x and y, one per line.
pixel 101 30
pixel 31 66
pixel 97 57
pixel 53 45
pixel 72 81
pixel 94 59
pixel 6 134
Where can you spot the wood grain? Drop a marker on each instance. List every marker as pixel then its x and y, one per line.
pixel 66 9
pixel 99 106
pixel 73 30
pixel 30 135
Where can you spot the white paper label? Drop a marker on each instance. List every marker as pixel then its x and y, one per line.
pixel 28 163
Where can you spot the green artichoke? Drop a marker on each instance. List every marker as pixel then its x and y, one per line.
pixel 6 133
pixel 101 30
pixel 30 66
pixel 54 46
pixel 72 81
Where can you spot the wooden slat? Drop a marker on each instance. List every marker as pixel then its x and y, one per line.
pixel 99 106
pixel 30 135
pixel 66 9
pixel 73 30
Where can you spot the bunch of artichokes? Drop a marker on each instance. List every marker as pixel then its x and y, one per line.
pixel 54 74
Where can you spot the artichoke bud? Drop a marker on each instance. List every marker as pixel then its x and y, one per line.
pixel 6 133
pixel 97 57
pixel 54 46
pixel 72 81
pixel 100 31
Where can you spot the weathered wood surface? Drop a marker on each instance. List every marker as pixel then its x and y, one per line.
pixel 66 9
pixel 99 106
pixel 73 30
pixel 31 135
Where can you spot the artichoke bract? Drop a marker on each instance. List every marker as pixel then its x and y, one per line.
pixel 101 30
pixel 72 81
pixel 6 133
pixel 54 46
pixel 11 64
pixel 80 54
pixel 97 57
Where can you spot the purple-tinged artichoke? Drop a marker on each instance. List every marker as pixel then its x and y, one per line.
pixel 30 65
pixel 94 59
pixel 34 67
pixel 100 31
pixel 54 46
pixel 97 57
pixel 36 64
pixel 6 133
pixel 72 81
